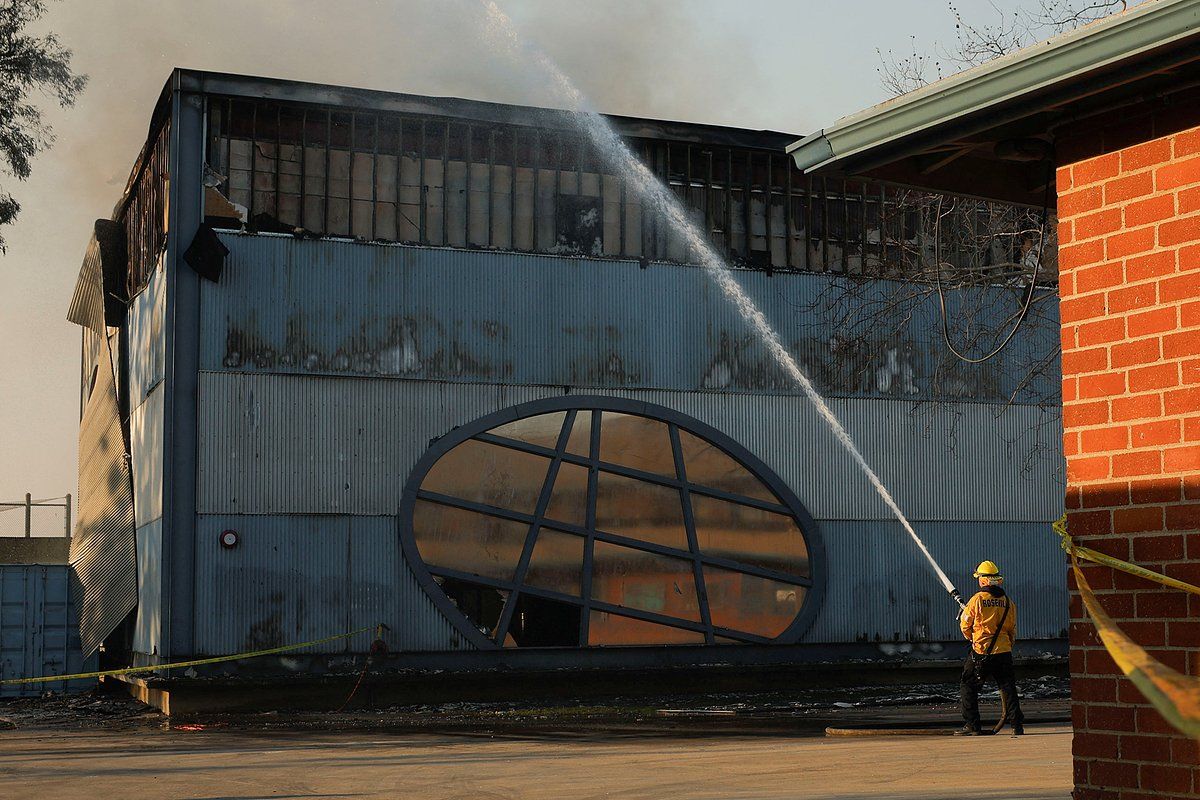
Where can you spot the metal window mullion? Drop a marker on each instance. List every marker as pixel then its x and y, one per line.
pixel 534 528
pixel 467 154
pixel 422 190
pixel 303 165
pixel 708 211
pixel 767 194
pixel 278 159
pixel 397 214
pixel 512 194
pixel 845 228
pixel 350 177
pixel 537 168
pixel 729 203
pixel 328 171
pixel 445 182
pixel 375 177
pixel 589 544
pixel 253 161
pixel 491 195
pixel 788 230
pixel 689 524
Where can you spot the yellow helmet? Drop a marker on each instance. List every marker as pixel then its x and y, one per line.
pixel 987 569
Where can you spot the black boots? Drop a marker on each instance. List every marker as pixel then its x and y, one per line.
pixel 1018 730
pixel 968 730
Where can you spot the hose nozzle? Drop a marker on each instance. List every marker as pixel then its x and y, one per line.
pixel 958 599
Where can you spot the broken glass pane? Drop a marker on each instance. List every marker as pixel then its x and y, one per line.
pixel 751 535
pixel 467 541
pixel 637 442
pixel 480 604
pixel 613 629
pixel 640 510
pixel 568 502
pixel 489 474
pixel 539 622
pixel 708 465
pixel 542 430
pixel 749 603
pixel 632 578
pixel 557 562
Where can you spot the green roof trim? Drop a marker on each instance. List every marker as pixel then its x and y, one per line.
pixel 1066 57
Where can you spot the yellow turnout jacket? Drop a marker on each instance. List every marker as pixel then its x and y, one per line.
pixel 981 621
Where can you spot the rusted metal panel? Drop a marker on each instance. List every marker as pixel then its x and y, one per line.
pixel 39 629
pixel 290 444
pixel 295 306
pixel 880 589
pixel 293 578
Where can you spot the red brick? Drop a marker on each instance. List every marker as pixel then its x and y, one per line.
pixel 1062 179
pixel 1070 444
pixel 1183 518
pixel 1188 257
pixel 1089 199
pixel 1067 336
pixel 1104 276
pixel 1127 408
pixel 1099 440
pixel 1189 200
pixel 1174 175
pixel 1111 718
pixel 1088 743
pixel 1078 309
pixel 1088 469
pixel 1182 459
pixel 1104 331
pixel 1189 371
pixel 1122 188
pixel 1150 210
pixel 1102 385
pixel 1191 429
pixel 1072 498
pixel 1096 169
pixel 1145 633
pixel 1183 633
pixel 1155 490
pixel 1162 604
pixel 1095 523
pixel 1185 751
pixel 1158 320
pixel 1179 345
pixel 1081 255
pixel 1096 413
pixel 1184 229
pixel 1138 463
pixel 1186 143
pixel 1189 314
pixel 1137 519
pixel 1153 265
pixel 1181 401
pixel 1127 298
pixel 1156 376
pixel 1152 434
pixel 1070 389
pixel 1143 748
pixel 1180 287
pixel 1066 230
pixel 1149 721
pixel 1146 154
pixel 1107 495
pixel 1130 354
pixel 1165 778
pixel 1098 223
pixel 1158 548
pixel 1078 361
pixel 1096 690
pixel 1120 245
pixel 1188 572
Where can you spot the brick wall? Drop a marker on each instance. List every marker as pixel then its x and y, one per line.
pixel 1129 212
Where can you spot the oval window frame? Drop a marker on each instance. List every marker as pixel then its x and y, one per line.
pixel 794 632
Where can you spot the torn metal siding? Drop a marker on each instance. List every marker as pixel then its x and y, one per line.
pixel 272 444
pixel 147 629
pixel 146 452
pixel 880 589
pixel 340 308
pixel 147 338
pixel 300 577
pixel 39 629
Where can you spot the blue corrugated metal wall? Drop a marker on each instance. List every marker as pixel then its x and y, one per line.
pixel 39 629
pixel 327 368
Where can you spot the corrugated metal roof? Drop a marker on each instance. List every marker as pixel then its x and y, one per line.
pixel 290 444
pixel 340 308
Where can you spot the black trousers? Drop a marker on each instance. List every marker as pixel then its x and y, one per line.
pixel 976 670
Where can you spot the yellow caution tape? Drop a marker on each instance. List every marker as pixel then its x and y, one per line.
pixel 194 663
pixel 1088 553
pixel 1174 695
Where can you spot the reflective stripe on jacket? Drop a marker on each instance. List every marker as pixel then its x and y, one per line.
pixel 982 617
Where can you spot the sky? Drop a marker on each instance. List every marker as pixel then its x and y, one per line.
pixel 789 65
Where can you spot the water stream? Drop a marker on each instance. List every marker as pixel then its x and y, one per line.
pixel 503 36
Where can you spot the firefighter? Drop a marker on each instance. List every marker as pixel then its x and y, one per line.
pixel 989 622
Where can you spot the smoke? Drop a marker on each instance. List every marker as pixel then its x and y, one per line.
pixel 659 59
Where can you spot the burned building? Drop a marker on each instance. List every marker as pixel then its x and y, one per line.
pixel 355 358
